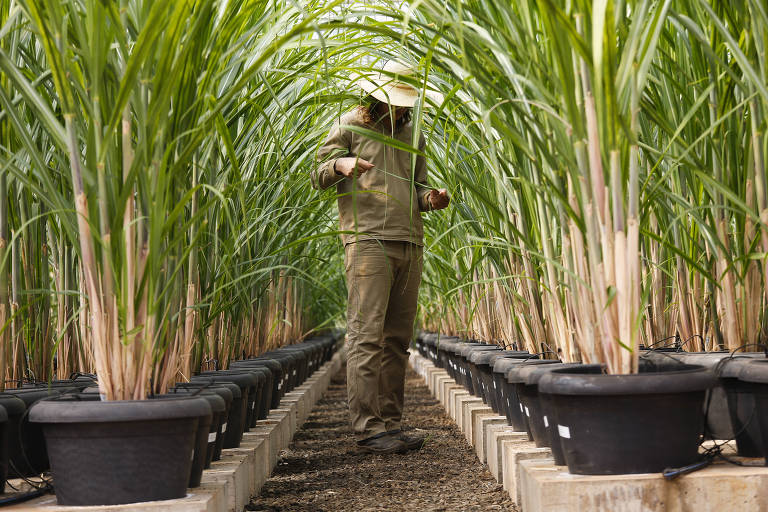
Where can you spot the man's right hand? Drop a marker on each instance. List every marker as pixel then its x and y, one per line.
pixel 351 166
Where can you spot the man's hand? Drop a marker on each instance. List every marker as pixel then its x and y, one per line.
pixel 350 166
pixel 438 199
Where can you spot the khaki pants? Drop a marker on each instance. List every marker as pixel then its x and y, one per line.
pixel 383 283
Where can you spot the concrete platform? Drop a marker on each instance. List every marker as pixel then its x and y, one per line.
pixel 471 411
pixel 718 488
pixel 462 403
pixel 514 452
pixel 481 432
pixel 495 457
pixel 240 474
pixel 453 396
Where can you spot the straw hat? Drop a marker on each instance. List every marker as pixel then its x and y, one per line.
pixel 385 85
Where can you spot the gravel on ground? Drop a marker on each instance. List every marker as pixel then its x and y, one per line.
pixel 322 470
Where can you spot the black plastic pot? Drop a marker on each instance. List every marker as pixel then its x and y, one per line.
pixel 508 396
pixel 238 413
pixel 290 363
pixel 445 347
pixel 228 396
pixel 201 439
pixel 527 396
pixel 298 370
pixel 626 424
pixel 716 402
pixel 249 382
pixel 464 352
pixel 206 441
pixel 116 452
pixel 29 456
pixel 12 451
pixel 473 356
pixel 742 406
pixel 543 421
pixel 4 428
pixel 755 374
pixel 276 370
pixel 505 394
pixel 484 361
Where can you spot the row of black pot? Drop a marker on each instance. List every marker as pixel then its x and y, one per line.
pixel 616 424
pixel 116 452
pixel 22 448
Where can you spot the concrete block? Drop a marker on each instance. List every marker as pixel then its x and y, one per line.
pixel 290 409
pixel 259 448
pixel 440 382
pixel 270 433
pixel 453 396
pixel 468 420
pixel 231 470
pixel 436 377
pixel 719 487
pixel 445 393
pixel 285 422
pixel 296 403
pixel 243 456
pixel 499 434
pixel 429 374
pixel 462 402
pixel 197 500
pixel 481 432
pixel 514 452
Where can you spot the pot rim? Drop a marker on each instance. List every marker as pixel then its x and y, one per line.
pixel 67 409
pixel 690 378
pixel 516 375
pixel 754 372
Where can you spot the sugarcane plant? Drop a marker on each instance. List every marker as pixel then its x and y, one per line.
pixel 610 159
pixel 152 147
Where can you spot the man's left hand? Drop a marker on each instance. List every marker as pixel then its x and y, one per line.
pixel 438 199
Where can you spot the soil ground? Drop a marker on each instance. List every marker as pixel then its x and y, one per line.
pixel 322 471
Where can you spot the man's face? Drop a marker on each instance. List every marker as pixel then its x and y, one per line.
pixel 399 112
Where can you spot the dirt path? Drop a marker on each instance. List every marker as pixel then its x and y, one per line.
pixel 323 472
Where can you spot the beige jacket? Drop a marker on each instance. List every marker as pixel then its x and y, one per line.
pixel 385 202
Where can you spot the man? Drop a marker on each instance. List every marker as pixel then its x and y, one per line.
pixel 381 192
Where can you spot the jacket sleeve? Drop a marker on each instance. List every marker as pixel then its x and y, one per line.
pixel 335 146
pixel 420 178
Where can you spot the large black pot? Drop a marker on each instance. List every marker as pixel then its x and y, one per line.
pixel 12 453
pixel 543 421
pixel 445 347
pixel 249 383
pixel 464 352
pixel 485 361
pixel 623 424
pixel 505 392
pixel 115 452
pixel 28 454
pixel 4 427
pixel 718 419
pixel 228 396
pixel 208 430
pixel 274 367
pixel 238 413
pixel 755 374
pixel 473 356
pixel 743 408
pixel 527 398
pixel 267 387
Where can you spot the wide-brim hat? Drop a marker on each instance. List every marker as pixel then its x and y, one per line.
pixel 387 85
